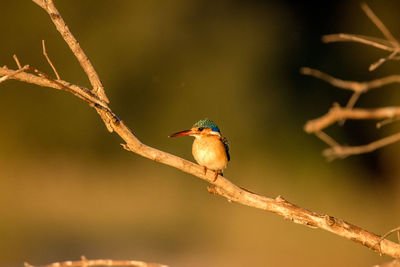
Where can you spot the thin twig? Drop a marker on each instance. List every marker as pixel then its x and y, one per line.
pixel 380 61
pixel 355 86
pixel 17 61
pixel 49 61
pixel 367 40
pixel 50 8
pixel 353 99
pixel 349 85
pixel 379 24
pixel 387 121
pixel 337 113
pixel 351 103
pixel 390 44
pixel 326 138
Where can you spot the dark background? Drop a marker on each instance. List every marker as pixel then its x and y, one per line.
pixel 67 188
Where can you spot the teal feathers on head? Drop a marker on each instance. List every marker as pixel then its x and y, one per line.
pixel 207 124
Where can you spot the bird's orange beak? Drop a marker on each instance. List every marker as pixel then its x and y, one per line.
pixel 182 133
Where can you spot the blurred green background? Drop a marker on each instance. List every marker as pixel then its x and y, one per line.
pixel 67 188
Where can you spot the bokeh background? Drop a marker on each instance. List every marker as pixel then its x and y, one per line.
pixel 67 188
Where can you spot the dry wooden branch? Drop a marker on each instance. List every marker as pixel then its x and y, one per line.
pixel 48 60
pixel 358 88
pixel 17 61
pixel 354 86
pixel 379 24
pixel 339 114
pixel 390 44
pixel 221 186
pixel 50 8
pixel 99 262
pixel 326 138
pixel 23 76
pixel 367 40
pixel 345 151
pixel 380 61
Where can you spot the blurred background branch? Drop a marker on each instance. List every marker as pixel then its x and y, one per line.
pixel 340 114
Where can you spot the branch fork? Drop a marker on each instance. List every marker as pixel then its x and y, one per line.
pixel 341 114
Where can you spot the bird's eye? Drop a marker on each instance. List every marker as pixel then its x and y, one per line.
pixel 200 129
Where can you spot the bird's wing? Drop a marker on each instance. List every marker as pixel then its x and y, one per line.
pixel 226 145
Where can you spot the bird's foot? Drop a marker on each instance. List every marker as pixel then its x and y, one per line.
pixel 216 175
pixel 205 170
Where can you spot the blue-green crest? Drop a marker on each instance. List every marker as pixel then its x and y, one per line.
pixel 206 123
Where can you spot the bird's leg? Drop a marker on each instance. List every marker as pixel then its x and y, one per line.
pixel 216 175
pixel 205 170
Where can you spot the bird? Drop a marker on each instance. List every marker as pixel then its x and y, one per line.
pixel 210 149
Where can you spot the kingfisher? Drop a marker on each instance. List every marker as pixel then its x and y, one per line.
pixel 210 149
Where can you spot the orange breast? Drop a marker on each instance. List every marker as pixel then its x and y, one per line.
pixel 209 151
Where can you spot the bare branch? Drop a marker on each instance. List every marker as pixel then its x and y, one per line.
pixel 17 61
pixel 299 215
pixel 355 86
pixel 358 87
pixel 49 7
pixel 350 104
pixel 353 99
pixel 99 262
pixel 384 122
pixel 380 61
pixel 49 61
pixel 98 88
pixel 326 138
pixel 367 40
pixel 390 44
pixel 379 24
pixel 345 151
pixel 337 113
pixel 45 81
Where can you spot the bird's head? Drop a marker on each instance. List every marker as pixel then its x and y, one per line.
pixel 200 128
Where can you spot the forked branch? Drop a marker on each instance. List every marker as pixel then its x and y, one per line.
pixel 341 114
pixel 221 186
